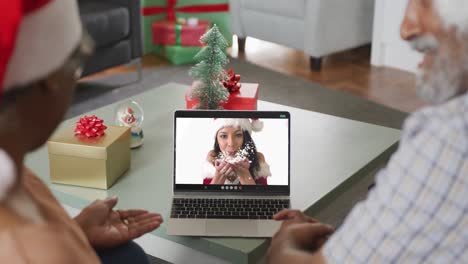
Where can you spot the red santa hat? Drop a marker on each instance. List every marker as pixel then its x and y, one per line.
pixel 36 37
pixel 453 13
pixel 246 124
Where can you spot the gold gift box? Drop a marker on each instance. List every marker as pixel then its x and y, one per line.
pixel 93 162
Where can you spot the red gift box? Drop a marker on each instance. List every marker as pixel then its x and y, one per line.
pixel 245 99
pixel 172 33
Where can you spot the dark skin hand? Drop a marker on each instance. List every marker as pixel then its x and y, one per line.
pixel 105 227
pixel 299 239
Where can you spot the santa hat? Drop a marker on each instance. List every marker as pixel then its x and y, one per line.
pixel 246 124
pixel 36 37
pixel 453 13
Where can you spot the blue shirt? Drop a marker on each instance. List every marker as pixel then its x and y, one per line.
pixel 418 211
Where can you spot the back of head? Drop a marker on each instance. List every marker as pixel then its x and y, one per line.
pixel 36 38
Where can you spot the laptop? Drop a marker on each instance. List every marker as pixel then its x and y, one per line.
pixel 231 172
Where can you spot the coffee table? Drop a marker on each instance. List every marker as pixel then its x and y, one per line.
pixel 327 153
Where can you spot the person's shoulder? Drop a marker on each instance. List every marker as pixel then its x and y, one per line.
pixel 434 140
pixel 9 219
pixel 260 157
pixel 45 243
pixel 444 122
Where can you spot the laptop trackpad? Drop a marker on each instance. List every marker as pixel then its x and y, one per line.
pixel 231 227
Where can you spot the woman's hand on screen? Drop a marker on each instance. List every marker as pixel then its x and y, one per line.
pixel 223 169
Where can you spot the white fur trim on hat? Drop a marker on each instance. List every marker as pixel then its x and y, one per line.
pixel 7 174
pixel 453 13
pixel 244 123
pixel 46 38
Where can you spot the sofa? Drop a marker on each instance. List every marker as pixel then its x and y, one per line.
pixel 316 27
pixel 115 26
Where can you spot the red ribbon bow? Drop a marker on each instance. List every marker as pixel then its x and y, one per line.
pixel 90 127
pixel 232 83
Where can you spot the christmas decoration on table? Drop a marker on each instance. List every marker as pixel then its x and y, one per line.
pixel 90 127
pixel 183 32
pixel 216 11
pixel 209 72
pixel 89 154
pixel 241 96
pixel 130 114
pixel 232 82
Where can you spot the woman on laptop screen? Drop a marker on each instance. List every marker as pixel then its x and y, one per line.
pixel 234 158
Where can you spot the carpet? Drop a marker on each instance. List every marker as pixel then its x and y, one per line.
pixel 274 87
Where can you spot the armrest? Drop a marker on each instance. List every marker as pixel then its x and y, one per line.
pixel 134 7
pixel 335 25
pixel 235 19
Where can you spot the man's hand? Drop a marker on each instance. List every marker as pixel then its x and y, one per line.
pixel 298 238
pixel 290 214
pixel 105 227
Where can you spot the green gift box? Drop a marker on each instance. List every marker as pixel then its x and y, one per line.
pixel 216 11
pixel 179 54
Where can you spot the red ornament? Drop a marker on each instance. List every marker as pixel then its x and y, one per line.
pixel 90 127
pixel 232 83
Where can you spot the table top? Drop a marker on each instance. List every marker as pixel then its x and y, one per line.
pixel 326 151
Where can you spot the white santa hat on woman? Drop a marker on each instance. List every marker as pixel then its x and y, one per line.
pixel 453 13
pixel 246 124
pixel 36 37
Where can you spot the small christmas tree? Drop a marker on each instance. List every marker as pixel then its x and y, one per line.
pixel 209 73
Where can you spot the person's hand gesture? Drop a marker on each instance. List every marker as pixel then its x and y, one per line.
pixel 105 227
pixel 298 237
pixel 242 170
pixel 244 164
pixel 223 170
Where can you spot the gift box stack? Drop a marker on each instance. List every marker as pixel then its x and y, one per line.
pixel 172 18
pixel 86 155
pixel 180 40
pixel 242 96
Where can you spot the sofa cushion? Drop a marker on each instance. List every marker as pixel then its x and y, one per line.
pixel 288 8
pixel 107 57
pixel 106 22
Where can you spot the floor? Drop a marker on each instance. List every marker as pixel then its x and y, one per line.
pixel 348 71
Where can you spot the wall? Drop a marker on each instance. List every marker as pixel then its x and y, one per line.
pixel 388 49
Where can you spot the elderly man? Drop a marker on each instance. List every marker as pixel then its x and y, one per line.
pixel 418 211
pixel 42 47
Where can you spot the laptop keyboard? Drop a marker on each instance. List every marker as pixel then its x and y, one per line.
pixel 227 208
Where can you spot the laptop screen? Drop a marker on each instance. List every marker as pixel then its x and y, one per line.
pixel 232 151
